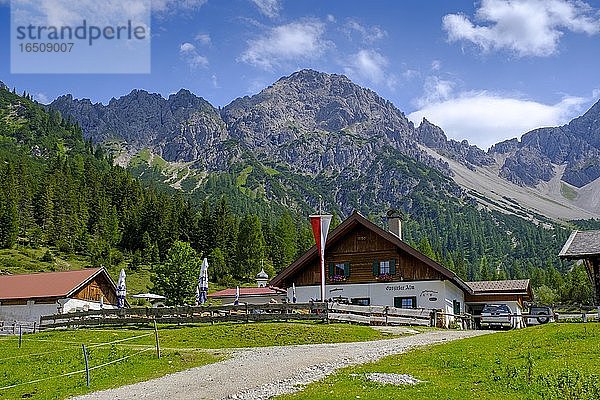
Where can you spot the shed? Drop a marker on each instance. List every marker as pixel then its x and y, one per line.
pixel 513 292
pixel 26 297
pixel 585 245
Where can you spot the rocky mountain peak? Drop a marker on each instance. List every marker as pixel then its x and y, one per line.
pixel 431 135
pixel 434 137
pixel 576 145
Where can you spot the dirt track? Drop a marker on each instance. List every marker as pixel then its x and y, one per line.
pixel 261 373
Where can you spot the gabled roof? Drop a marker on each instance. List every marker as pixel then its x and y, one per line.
pixel 581 244
pixel 351 222
pixel 249 291
pixel 47 284
pixel 507 286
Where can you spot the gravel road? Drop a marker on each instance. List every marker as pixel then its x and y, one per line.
pixel 261 373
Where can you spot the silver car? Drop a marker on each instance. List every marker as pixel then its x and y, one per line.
pixel 496 316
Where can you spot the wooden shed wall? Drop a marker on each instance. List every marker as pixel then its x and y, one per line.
pixel 97 288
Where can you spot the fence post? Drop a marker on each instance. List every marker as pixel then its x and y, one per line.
pixel 157 343
pixel 20 335
pixel 87 366
pixel 247 314
pixel 385 311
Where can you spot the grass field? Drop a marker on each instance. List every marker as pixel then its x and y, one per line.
pixel 556 361
pixel 49 354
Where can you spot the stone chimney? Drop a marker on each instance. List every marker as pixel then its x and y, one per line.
pixel 394 220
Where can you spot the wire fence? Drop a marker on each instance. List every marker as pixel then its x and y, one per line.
pixel 88 368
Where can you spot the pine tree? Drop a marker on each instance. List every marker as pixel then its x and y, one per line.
pixel 484 269
pixel 218 271
pixel 250 247
pixel 284 246
pixel 9 215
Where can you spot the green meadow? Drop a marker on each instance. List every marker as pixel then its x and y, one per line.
pixel 556 361
pixel 50 354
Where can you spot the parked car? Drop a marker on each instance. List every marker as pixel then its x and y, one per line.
pixel 496 316
pixel 540 315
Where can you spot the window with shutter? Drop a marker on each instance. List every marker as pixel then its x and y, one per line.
pixel 456 307
pixel 384 267
pixel 375 268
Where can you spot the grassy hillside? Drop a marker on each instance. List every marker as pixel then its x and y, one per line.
pixel 557 361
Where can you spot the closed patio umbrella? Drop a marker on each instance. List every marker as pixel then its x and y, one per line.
pixel 236 302
pixel 202 288
pixel 293 292
pixel 121 290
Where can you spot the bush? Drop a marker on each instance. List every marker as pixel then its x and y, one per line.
pixel 48 257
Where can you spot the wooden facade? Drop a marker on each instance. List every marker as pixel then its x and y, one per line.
pixel 498 298
pixel 96 289
pixel 360 246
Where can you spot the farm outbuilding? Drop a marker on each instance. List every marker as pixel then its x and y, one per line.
pixel 514 293
pixel 26 297
pixel 585 246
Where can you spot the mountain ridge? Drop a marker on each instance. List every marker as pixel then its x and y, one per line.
pixel 324 125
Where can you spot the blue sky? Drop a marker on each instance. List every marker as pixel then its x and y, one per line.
pixel 483 71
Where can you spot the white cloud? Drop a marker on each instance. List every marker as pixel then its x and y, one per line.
pixel 331 18
pixel 190 55
pixel 525 27
pixel 215 81
pixel 410 74
pixel 435 90
pixel 41 98
pixel 485 118
pixel 67 12
pixel 368 64
pixel 367 34
pixel 173 7
pixel 291 42
pixel 203 39
pixel 436 65
pixel 187 48
pixel 269 8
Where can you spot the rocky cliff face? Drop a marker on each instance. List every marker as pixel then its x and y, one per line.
pixel 183 127
pixel 314 121
pixel 310 121
pixel 324 127
pixel 577 145
pixel 434 137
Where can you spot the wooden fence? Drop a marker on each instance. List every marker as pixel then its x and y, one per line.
pixel 183 315
pixel 13 327
pixel 380 315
